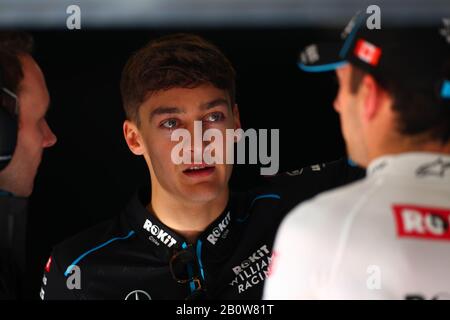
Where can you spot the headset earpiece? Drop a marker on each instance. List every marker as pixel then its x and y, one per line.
pixel 8 128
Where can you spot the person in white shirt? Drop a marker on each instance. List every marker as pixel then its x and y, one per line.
pixel 386 236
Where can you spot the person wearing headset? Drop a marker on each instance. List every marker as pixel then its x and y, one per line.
pixel 24 133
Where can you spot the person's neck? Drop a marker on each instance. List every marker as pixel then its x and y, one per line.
pixel 189 219
pixel 405 145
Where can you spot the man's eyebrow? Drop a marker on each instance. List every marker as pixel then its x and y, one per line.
pixel 164 110
pixel 215 103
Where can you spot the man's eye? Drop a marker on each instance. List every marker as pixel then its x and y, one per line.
pixel 169 124
pixel 215 117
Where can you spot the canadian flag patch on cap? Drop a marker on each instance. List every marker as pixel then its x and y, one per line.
pixel 367 52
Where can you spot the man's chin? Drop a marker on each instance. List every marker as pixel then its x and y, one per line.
pixel 201 193
pixel 23 191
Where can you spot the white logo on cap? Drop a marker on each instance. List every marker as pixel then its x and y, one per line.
pixel 350 25
pixel 310 54
pixel 445 31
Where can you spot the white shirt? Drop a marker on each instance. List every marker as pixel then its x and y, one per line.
pixel 384 237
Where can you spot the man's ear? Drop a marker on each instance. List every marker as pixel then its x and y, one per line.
pixel 372 95
pixel 133 138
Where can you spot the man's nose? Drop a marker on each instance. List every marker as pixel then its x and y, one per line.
pixel 197 144
pixel 49 137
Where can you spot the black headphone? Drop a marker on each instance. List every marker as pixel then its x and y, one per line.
pixel 8 124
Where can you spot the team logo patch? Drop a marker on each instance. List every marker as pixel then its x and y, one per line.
pixel 436 168
pixel 445 30
pixel 138 295
pixel 220 230
pixel 161 235
pixel 367 52
pixel 422 222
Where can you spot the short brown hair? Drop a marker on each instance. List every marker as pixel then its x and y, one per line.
pixel 419 112
pixel 13 44
pixel 179 60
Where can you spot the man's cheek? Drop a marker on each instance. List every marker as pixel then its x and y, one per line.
pixel 162 151
pixel 30 138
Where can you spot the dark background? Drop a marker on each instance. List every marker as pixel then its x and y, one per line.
pixel 89 174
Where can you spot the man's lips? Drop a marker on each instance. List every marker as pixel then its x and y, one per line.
pixel 199 170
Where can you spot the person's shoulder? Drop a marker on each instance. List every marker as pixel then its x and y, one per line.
pixel 346 194
pixel 336 167
pixel 89 240
pixel 338 171
pixel 304 183
pixel 332 207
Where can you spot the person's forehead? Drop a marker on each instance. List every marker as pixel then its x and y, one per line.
pixel 187 97
pixel 344 69
pixel 33 83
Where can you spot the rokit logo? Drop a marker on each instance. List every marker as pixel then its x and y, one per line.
pixel 252 271
pixel 220 230
pixel 159 233
pixel 422 222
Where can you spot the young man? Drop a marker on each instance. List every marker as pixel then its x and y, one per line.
pixel 187 236
pixel 387 236
pixel 24 133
